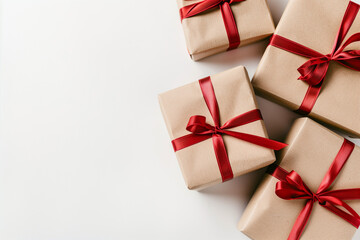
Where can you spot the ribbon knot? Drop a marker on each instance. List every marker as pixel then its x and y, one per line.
pixel 218 130
pixel 293 187
pixel 318 198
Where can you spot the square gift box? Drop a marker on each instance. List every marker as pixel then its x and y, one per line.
pixel 214 26
pixel 313 43
pixel 216 129
pixel 312 153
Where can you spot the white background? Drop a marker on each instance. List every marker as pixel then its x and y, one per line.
pixel 84 151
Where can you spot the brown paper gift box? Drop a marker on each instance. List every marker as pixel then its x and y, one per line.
pixel 312 148
pixel 235 96
pixel 205 34
pixel 314 24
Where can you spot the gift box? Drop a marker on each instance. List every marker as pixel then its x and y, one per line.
pixel 312 63
pixel 214 26
pixel 216 129
pixel 301 195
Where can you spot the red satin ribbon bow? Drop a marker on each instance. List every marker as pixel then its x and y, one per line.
pixel 291 187
pixel 226 12
pixel 201 131
pixel 314 70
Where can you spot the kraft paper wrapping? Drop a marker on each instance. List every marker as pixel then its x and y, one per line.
pixel 312 148
pixel 313 23
pixel 205 34
pixel 235 96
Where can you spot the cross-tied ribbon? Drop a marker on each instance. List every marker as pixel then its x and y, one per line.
pixel 292 187
pixel 226 12
pixel 201 131
pixel 314 70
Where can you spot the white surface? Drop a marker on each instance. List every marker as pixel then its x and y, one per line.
pixel 84 152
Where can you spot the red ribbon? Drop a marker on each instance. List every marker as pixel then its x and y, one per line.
pixel 201 131
pixel 291 187
pixel 226 12
pixel 314 70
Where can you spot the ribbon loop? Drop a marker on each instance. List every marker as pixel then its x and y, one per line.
pixel 197 125
pixel 314 70
pixel 293 187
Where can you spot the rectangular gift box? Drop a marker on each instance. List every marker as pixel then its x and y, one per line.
pixel 312 149
pixel 206 34
pixel 235 96
pixel 314 24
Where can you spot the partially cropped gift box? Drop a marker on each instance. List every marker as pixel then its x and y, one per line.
pixel 216 129
pixel 313 60
pixel 313 192
pixel 214 26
